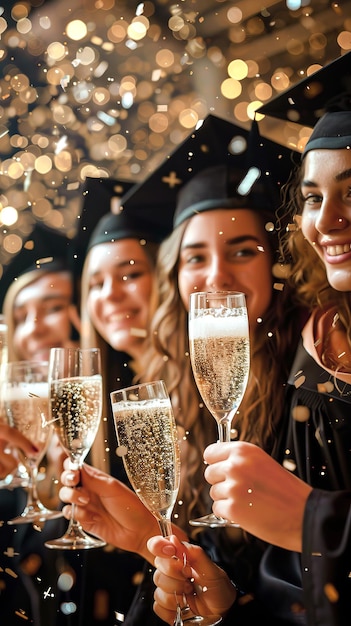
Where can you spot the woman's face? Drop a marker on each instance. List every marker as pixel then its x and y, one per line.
pixel 41 316
pixel 326 216
pixel 227 250
pixel 120 279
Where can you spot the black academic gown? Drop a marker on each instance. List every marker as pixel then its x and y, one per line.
pixel 314 588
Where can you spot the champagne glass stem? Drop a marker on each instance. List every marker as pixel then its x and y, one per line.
pixel 165 527
pixel 224 430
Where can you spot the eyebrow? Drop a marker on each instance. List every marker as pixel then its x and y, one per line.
pixel 46 298
pixel 339 178
pixel 122 264
pixel 231 242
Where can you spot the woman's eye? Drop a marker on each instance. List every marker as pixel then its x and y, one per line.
pixel 95 285
pixel 134 276
pixel 194 258
pixel 312 199
pixel 245 252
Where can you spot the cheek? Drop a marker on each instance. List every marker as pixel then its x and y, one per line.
pixel 260 290
pixel 308 225
pixel 94 309
pixel 17 337
pixel 187 284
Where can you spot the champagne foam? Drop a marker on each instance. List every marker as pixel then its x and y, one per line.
pixel 23 392
pixel 214 326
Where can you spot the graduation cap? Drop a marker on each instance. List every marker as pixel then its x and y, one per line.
pixel 327 90
pixel 45 250
pixel 213 142
pixel 100 196
pixel 252 179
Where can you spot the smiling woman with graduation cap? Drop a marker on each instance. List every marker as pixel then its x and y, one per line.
pixel 301 506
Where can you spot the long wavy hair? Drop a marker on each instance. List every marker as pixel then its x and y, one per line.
pixel 272 345
pixel 118 368
pixel 307 273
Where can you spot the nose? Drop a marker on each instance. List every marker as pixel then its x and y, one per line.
pixel 33 326
pixel 331 216
pixel 219 276
pixel 113 289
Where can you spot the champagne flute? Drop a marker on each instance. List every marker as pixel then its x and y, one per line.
pixel 148 443
pixel 75 390
pixel 220 359
pixel 26 404
pixel 6 481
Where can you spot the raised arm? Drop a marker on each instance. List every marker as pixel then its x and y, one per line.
pixel 109 509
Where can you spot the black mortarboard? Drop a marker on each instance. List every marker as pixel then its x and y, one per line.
pixel 210 144
pixel 252 180
pixel 129 222
pixel 99 196
pixel 328 89
pixel 45 249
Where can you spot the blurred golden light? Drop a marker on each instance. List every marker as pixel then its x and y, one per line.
pixel 175 23
pixel 231 88
pixel 63 161
pixel 19 11
pixel 76 30
pixel 263 91
pixel 118 31
pixel 3 25
pixel 101 96
pixel 117 143
pixel 137 29
pixel 251 110
pixel 24 26
pixel 56 51
pixel 237 69
pixel 55 75
pixel 188 118
pixel 158 123
pixel 86 55
pixel 164 58
pixel 280 80
pixel 12 243
pixel 45 22
pixel 344 40
pixel 15 170
pixel 41 208
pixel 240 111
pixel 234 15
pixel 43 164
pixel 8 215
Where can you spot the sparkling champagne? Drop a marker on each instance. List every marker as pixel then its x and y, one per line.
pixel 148 443
pixel 76 405
pixel 220 356
pixel 27 410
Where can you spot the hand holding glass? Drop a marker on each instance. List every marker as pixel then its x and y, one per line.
pixel 26 403
pixel 75 387
pixel 148 443
pixel 220 359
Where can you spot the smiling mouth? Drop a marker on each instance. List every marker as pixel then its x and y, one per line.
pixel 339 249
